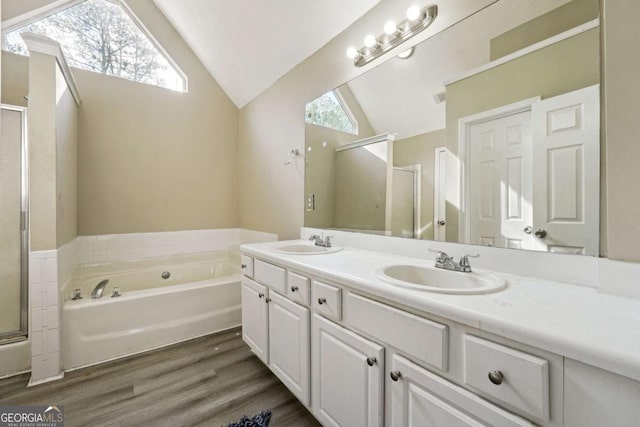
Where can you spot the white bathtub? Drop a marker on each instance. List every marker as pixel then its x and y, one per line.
pixel 202 296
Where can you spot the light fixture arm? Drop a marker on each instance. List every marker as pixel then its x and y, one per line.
pixel 406 30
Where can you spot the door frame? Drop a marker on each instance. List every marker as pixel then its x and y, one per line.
pixel 464 152
pixel 439 194
pixel 23 332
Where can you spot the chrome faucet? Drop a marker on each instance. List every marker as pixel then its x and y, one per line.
pixel 325 242
pixel 99 289
pixel 446 262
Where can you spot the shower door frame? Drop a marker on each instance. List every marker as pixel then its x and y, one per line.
pixel 23 332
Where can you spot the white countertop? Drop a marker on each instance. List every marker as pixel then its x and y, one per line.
pixel 573 321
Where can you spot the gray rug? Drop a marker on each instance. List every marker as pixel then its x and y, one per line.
pixel 260 420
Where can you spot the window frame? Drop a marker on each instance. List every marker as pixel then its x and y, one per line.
pixel 58 6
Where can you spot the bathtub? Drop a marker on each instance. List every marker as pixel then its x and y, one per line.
pixel 200 295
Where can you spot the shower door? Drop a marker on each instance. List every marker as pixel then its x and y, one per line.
pixel 13 224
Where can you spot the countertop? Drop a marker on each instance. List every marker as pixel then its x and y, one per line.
pixel 573 321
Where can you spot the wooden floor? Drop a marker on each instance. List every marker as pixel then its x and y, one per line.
pixel 209 381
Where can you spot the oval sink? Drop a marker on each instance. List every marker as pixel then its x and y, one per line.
pixel 305 249
pixel 431 279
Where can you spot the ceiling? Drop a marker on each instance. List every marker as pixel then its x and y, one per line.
pixel 409 86
pixel 249 44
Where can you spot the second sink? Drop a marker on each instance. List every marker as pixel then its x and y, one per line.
pixel 431 279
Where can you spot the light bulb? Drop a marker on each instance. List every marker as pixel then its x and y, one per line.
pixel 390 28
pixel 414 13
pixel 370 41
pixel 352 52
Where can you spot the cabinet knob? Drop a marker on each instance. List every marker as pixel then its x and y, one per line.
pixel 395 375
pixel 322 300
pixel 243 266
pixel 496 377
pixel 371 361
pixel 541 233
pixel 268 300
pixel 294 288
pixel 260 295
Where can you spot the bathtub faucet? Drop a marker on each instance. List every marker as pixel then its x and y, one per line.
pixel 99 289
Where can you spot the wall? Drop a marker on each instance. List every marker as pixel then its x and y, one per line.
pixel 66 162
pixel 561 19
pixel 151 159
pixel 621 103
pixel 15 79
pixel 271 125
pixel 420 149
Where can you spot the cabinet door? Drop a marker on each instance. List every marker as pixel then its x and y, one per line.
pixel 289 344
pixel 255 322
pixel 346 376
pixel 421 398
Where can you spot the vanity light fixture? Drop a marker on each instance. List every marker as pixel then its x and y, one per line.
pixel 394 35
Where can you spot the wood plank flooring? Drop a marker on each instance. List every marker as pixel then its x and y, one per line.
pixel 208 381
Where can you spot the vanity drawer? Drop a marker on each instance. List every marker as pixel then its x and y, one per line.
pixel 517 380
pixel 246 263
pixel 298 288
pixel 327 299
pixel 270 275
pixel 423 339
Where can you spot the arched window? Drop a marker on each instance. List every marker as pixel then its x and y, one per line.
pixel 102 36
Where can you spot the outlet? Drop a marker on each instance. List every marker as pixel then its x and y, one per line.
pixel 311 202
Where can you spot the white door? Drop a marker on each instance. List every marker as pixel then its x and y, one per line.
pixel 440 194
pixel 289 344
pixel 566 158
pixel 255 321
pixel 346 376
pixel 421 398
pixel 500 184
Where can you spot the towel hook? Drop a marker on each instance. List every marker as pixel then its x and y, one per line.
pixel 292 155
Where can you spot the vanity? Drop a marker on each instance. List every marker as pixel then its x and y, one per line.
pixel 357 350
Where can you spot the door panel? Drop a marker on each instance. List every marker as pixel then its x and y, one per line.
pixel 255 321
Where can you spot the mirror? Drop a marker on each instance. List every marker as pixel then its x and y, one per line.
pixel 488 133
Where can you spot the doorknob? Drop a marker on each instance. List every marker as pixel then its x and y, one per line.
pixel 441 222
pixel 528 229
pixel 541 233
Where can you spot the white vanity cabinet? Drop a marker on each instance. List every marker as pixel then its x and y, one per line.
pixel 421 398
pixel 255 321
pixel 356 360
pixel 347 376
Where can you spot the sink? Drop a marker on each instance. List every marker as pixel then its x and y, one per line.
pixel 305 249
pixel 431 279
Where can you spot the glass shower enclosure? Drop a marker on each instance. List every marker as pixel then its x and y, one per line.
pixel 14 239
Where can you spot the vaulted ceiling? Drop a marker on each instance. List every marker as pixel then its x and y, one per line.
pixel 249 44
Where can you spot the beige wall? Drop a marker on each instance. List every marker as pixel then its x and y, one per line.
pixel 15 78
pixel 151 159
pixel 622 109
pixel 420 149
pixel 66 162
pixel 13 8
pixel 561 19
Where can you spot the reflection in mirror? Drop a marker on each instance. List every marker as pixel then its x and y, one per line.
pixel 491 134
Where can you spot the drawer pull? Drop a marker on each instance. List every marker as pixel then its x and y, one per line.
pixel 260 295
pixel 294 288
pixel 371 361
pixel 496 377
pixel 243 266
pixel 268 300
pixel 395 375
pixel 322 301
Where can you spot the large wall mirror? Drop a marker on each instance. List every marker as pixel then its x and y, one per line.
pixel 487 133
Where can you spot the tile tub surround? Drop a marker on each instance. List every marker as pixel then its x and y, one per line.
pixel 573 321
